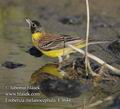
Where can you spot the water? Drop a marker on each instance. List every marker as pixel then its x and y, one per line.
pixel 15 41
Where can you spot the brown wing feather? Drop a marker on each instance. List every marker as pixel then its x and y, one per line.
pixel 50 42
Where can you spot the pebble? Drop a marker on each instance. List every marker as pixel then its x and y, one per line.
pixel 34 52
pixel 12 65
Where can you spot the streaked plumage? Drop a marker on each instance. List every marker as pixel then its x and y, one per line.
pixel 53 45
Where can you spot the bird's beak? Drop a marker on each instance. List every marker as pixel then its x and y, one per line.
pixel 29 22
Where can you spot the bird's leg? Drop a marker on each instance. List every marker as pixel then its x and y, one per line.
pixel 67 57
pixel 63 73
pixel 60 59
pixel 60 65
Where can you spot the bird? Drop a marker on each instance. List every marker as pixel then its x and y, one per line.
pixel 53 45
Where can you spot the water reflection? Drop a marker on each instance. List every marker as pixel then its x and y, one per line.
pixel 52 83
pixel 14 36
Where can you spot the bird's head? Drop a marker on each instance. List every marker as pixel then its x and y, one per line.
pixel 34 25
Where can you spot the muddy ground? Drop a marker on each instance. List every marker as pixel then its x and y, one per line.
pixel 59 17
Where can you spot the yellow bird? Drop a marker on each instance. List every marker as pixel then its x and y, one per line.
pixel 53 45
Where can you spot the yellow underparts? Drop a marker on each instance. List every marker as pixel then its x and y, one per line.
pixel 57 52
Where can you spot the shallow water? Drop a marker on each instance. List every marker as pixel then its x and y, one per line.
pixel 15 41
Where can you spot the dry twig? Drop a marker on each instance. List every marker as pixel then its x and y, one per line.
pixel 95 58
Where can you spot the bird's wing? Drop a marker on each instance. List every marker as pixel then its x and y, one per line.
pixel 53 42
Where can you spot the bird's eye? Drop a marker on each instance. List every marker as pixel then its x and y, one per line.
pixel 33 25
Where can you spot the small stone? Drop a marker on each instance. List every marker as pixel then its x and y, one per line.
pixel 12 65
pixel 34 52
pixel 71 20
